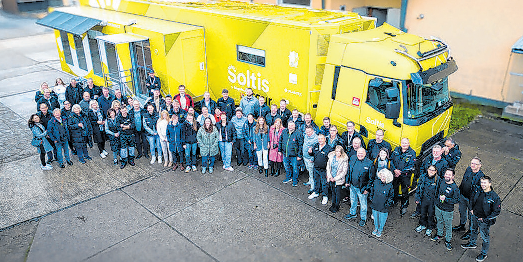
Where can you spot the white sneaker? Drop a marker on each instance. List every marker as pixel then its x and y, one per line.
pixel 313 195
pixel 105 153
pixel 152 159
pixel 102 155
pixel 428 232
pixel 230 168
pixel 46 167
pixel 324 200
pixel 420 228
pixel 159 160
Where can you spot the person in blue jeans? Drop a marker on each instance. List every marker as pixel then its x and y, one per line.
pixel 174 136
pixel 485 207
pixel 381 197
pixel 226 137
pixel 289 146
pixel 59 134
pixel 358 181
pixel 79 128
pixel 190 144
pixel 149 123
pixel 248 133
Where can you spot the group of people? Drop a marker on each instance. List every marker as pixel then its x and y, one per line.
pixel 176 131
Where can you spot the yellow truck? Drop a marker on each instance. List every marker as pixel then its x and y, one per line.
pixel 327 63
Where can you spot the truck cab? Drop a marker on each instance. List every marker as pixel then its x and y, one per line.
pixel 386 79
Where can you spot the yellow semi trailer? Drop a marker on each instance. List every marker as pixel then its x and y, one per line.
pixel 334 64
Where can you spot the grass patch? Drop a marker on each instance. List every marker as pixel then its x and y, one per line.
pixel 462 115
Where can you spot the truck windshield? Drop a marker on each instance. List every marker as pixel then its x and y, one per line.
pixel 424 99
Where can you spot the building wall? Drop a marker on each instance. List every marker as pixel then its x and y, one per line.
pixel 480 35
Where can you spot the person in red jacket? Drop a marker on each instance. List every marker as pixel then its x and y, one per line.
pixel 184 99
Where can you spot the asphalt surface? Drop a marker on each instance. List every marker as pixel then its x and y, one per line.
pixel 97 212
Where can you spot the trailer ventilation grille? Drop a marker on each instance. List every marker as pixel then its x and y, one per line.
pixel 323 44
pixel 319 74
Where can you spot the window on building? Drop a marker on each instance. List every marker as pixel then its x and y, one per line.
pixel 296 2
pixel 376 96
pixel 80 53
pixel 95 55
pixel 66 47
pixel 251 55
pixel 112 60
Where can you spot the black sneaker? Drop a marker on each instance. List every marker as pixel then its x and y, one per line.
pixel 448 245
pixel 466 236
pixel 62 165
pixel 70 162
pixel 468 245
pixel 436 238
pixel 481 257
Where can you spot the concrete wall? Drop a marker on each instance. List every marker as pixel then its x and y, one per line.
pixel 480 35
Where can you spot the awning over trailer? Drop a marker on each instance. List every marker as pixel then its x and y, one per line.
pixel 121 38
pixel 70 23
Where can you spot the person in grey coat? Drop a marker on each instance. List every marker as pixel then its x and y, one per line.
pixel 207 137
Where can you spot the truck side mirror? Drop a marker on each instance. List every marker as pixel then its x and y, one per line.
pixel 392 108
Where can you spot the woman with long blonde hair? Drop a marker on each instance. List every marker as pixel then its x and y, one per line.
pixel 161 128
pixel 261 145
pixel 275 157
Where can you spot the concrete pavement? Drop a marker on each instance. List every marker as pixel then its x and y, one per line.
pixel 97 212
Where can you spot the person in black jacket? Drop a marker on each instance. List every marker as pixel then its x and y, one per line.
pixel 73 92
pixel 80 129
pixel 447 195
pixel 152 82
pixel 358 181
pixel 59 134
pixel 94 90
pixel 226 104
pixel 289 146
pixel 190 144
pixel 51 101
pixel 451 152
pixel 206 102
pixel 349 135
pixel 468 187
pixel 126 130
pixel 45 117
pixel 112 130
pixel 403 159
pixel 284 113
pixel 426 197
pixel 320 152
pixel 272 115
pixel 485 207
pixel 226 137
pixel 66 112
pixel 381 197
pixel 375 145
pixel 261 109
pixel 105 100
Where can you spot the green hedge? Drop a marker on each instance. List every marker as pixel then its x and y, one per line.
pixel 462 115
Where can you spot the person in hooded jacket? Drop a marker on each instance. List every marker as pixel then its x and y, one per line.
pixel 381 197
pixel 208 142
pixel 73 92
pixel 337 167
pixel 174 136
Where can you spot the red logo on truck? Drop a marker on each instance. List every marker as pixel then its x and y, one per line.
pixel 355 101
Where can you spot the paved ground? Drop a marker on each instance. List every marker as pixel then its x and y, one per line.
pixel 97 212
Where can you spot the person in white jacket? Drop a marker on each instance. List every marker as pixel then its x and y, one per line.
pixel 336 170
pixel 161 127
